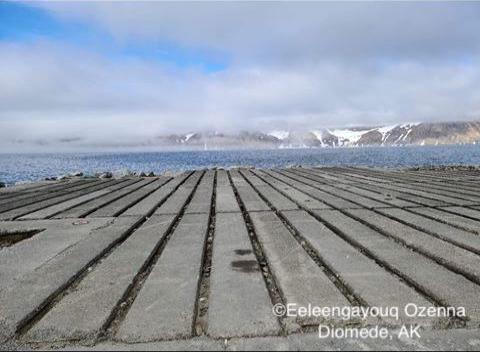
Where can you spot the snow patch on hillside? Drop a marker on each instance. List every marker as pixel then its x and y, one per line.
pixel 188 136
pixel 281 135
pixel 348 137
pixel 386 132
pixel 319 136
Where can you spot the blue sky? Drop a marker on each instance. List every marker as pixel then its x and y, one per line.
pixel 97 71
pixel 21 22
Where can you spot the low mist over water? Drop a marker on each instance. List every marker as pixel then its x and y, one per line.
pixel 31 167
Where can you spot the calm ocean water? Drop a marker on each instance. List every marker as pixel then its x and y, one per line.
pixel 31 167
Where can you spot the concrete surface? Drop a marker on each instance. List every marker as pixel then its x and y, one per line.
pixel 162 264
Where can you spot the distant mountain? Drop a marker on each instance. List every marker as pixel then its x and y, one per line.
pixel 394 135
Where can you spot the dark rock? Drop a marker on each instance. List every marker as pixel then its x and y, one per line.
pixel 121 173
pixel 151 174
pixel 143 174
pixel 301 140
pixel 329 139
pixel 107 174
pixel 370 138
pixel 2 185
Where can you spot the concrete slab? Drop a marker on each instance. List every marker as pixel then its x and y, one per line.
pixel 444 215
pixel 226 201
pixel 430 340
pixel 82 313
pixel 389 193
pixel 28 189
pixel 149 204
pixel 194 344
pixel 389 199
pixel 331 177
pixel 36 188
pixel 435 280
pixel 425 192
pixel 304 185
pixel 376 286
pixel 34 290
pixel 409 178
pixel 299 278
pixel 353 197
pixel 27 209
pixel 55 237
pixel 347 175
pixel 444 231
pixel 386 201
pixel 471 212
pixel 24 200
pixel 274 197
pixel 385 188
pixel 111 282
pixel 177 200
pixel 250 198
pixel 311 342
pixel 50 211
pixel 239 304
pixel 119 190
pixel 202 199
pixel 459 190
pixel 298 196
pixel 446 253
pixel 446 190
pixel 119 206
pixel 164 307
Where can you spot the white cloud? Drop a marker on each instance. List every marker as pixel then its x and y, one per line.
pixel 293 66
pixel 285 32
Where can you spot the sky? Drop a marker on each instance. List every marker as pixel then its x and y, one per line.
pixel 128 71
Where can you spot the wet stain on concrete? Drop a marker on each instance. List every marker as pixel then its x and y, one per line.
pixel 243 251
pixel 246 266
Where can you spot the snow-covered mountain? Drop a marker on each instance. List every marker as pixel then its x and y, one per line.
pixel 352 137
pixel 389 135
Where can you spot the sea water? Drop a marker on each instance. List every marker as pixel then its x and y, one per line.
pixel 30 167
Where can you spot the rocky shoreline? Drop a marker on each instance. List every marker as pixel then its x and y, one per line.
pixel 103 175
pixel 446 168
pixel 142 174
pixel 129 173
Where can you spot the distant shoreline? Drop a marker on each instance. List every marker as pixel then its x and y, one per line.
pixel 189 149
pixel 16 168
